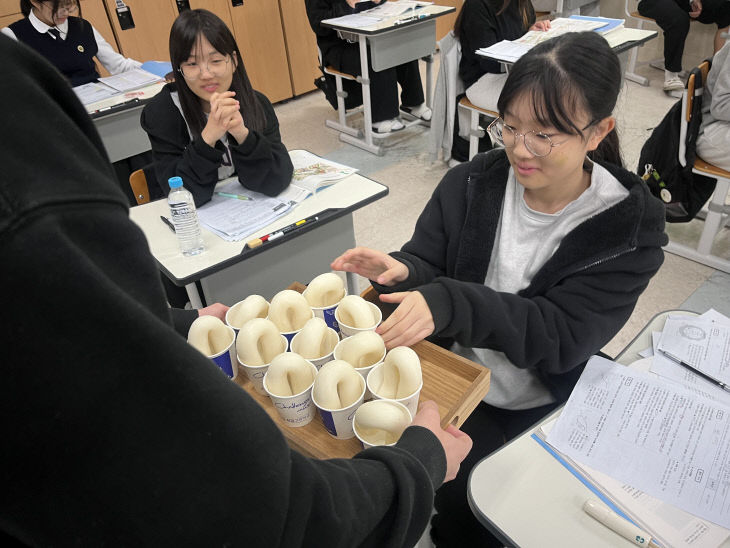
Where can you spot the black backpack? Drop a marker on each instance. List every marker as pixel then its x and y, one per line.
pixel 683 192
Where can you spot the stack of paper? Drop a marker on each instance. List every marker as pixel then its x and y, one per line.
pixel 114 85
pixel 234 219
pixel 393 8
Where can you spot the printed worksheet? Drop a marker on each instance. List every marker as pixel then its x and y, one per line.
pixel 652 434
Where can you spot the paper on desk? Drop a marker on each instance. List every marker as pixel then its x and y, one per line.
pixel 623 35
pixel 232 219
pixel 93 92
pixel 652 434
pixel 667 523
pixel 506 51
pixel 399 7
pixel 131 79
pixel 355 20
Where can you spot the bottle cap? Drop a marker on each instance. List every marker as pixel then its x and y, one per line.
pixel 175 182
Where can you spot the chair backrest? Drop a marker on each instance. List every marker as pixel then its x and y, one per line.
pixel 693 89
pixel 138 182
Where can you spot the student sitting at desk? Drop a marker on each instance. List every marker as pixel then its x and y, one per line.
pixel 345 57
pixel 53 29
pixel 713 142
pixel 527 259
pixel 210 124
pixel 480 24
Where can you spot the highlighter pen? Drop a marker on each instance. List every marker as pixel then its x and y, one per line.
pixel 236 196
pixel 279 233
pixel 617 524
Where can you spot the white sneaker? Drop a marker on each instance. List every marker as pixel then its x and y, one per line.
pixel 673 84
pixel 421 111
pixel 387 126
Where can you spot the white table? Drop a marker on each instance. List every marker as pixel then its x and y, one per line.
pixel 527 498
pixel 391 44
pixel 228 271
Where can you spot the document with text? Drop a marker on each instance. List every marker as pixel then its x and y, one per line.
pixel 652 434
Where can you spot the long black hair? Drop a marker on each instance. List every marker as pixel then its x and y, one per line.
pixel 186 31
pixel 564 75
pixel 523 6
pixel 26 6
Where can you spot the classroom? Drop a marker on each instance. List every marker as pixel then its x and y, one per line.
pixel 246 450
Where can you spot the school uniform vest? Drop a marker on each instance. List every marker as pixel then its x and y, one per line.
pixel 74 56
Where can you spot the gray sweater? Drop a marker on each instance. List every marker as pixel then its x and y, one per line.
pixel 716 99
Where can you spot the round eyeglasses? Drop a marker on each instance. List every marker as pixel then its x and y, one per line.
pixel 537 143
pixel 216 66
pixel 67 9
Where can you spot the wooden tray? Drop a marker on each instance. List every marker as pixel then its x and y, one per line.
pixel 456 384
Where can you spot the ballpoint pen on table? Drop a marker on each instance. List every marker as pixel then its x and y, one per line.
pixel 617 524
pixel 168 222
pixel 236 196
pixel 279 233
pixel 694 370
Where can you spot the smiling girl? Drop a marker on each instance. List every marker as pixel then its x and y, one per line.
pixel 55 29
pixel 529 258
pixel 210 124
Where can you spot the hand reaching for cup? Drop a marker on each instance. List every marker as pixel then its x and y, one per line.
pixel 371 264
pixel 456 443
pixel 409 323
pixel 224 117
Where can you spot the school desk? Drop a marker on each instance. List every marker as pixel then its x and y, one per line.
pixel 390 42
pixel 229 271
pixel 117 121
pixel 525 497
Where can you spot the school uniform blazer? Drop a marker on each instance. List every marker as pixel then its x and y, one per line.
pixel 575 303
pixel 261 162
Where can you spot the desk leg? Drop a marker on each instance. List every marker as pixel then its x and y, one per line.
pixel 194 296
pixel 351 283
pixel 367 109
pixel 429 80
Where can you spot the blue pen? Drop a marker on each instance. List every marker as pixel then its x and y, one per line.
pixel 236 196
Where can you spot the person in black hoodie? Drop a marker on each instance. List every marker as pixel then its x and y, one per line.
pixel 210 124
pixel 56 30
pixel 529 258
pixel 116 431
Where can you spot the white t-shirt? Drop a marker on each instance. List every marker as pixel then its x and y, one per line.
pixel 525 240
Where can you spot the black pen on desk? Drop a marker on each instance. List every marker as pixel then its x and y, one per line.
pixel 168 222
pixel 696 371
pixel 279 233
pixel 104 109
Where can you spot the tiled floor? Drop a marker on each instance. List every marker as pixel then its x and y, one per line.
pixel 407 170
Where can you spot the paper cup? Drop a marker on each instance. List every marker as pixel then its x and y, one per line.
pixel 327 313
pixel 349 331
pixel 228 322
pixel 372 439
pixel 255 373
pixel 296 410
pixel 338 422
pixel 332 337
pixel 375 377
pixel 290 334
pixel 226 358
pixel 364 371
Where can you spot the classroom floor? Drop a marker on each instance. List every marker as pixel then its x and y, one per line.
pixel 406 168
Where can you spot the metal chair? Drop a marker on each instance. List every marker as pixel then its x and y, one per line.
pixel 717 212
pixel 475 132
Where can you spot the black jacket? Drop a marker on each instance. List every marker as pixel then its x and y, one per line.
pixel 575 303
pixel 262 162
pixel 482 27
pixel 114 430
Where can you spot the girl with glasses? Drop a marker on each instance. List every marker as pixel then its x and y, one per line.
pixel 210 123
pixel 55 29
pixel 529 258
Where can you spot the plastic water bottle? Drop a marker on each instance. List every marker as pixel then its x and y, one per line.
pixel 184 218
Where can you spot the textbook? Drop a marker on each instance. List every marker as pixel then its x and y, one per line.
pixel 312 174
pixel 111 86
pixel 399 7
